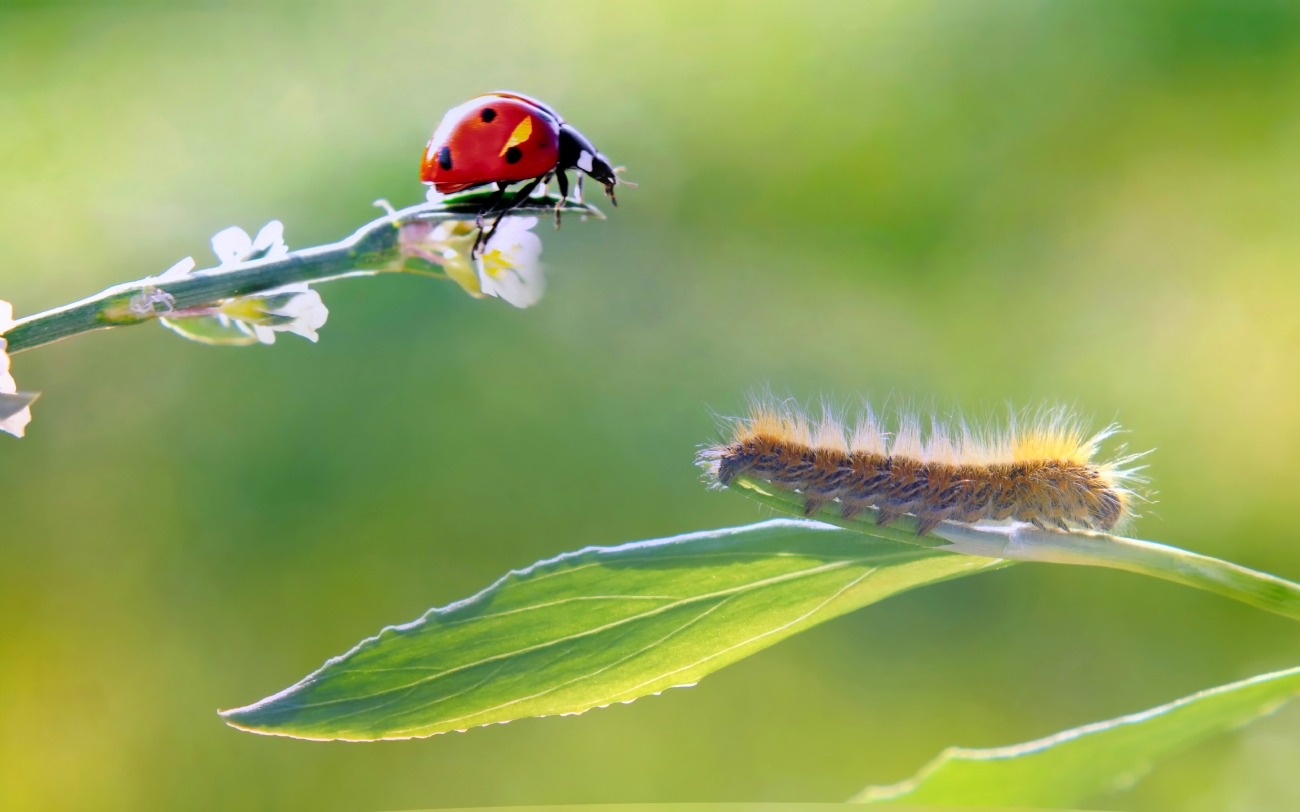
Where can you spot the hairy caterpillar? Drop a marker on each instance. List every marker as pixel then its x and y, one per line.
pixel 1038 468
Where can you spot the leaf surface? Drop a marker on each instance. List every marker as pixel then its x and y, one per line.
pixel 1069 767
pixel 598 626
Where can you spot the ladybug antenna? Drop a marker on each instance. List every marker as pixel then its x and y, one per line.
pixel 619 170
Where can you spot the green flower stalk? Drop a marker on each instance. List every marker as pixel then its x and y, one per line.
pixel 260 287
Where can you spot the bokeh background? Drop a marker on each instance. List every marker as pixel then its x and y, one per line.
pixel 953 203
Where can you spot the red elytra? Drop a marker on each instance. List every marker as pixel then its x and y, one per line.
pixel 490 139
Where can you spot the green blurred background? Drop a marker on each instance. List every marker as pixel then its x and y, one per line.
pixel 954 203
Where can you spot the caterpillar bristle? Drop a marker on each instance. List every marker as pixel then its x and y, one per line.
pixel 1038 467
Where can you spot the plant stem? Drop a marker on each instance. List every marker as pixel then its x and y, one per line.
pixel 1024 542
pixel 372 249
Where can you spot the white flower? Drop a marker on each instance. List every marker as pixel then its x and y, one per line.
pixel 510 266
pixel 248 319
pixel 233 245
pixel 293 309
pixel 252 319
pixel 15 406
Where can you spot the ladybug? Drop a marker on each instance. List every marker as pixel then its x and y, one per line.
pixel 504 138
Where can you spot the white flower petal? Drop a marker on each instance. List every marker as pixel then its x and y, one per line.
pixel 15 413
pixel 521 286
pixel 510 266
pixel 231 245
pixel 264 334
pixel 8 386
pixel 515 231
pixel 178 271
pixel 271 233
pixel 270 241
pixel 308 313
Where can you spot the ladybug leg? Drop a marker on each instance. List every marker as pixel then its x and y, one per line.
pixel 577 189
pixel 519 197
pixel 562 178
pixel 489 206
pixel 525 192
pixel 542 190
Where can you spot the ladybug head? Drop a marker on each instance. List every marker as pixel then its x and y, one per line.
pixel 576 152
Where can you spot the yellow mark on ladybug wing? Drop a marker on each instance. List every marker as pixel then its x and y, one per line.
pixel 520 135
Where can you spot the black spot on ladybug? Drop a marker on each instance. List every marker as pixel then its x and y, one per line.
pixel 444 158
pixel 512 155
pixel 541 145
pixel 488 114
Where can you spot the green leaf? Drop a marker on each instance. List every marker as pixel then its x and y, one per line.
pixel 1024 542
pixel 598 626
pixel 1069 767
